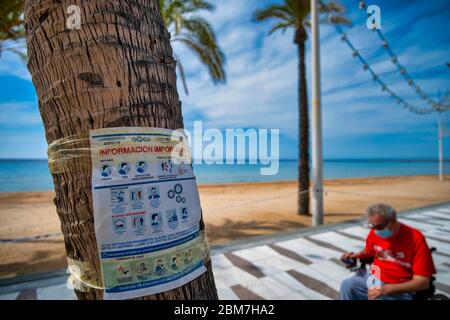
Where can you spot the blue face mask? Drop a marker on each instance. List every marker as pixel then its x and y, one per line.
pixel 385 233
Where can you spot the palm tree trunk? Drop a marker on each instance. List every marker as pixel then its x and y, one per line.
pixel 116 71
pixel 303 166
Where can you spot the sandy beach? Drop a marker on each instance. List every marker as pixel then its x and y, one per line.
pixel 231 212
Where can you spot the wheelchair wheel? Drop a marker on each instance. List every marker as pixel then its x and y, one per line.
pixel 439 296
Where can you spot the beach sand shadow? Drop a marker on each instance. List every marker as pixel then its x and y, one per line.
pixel 234 230
pixel 39 261
pixel 352 215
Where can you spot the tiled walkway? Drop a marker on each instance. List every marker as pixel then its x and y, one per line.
pixel 301 265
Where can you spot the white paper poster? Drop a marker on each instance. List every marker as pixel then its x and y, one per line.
pixel 146 211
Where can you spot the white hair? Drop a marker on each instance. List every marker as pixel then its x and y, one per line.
pixel 385 210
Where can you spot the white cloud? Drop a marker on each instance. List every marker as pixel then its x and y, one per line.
pixel 26 145
pixel 20 113
pixel 13 64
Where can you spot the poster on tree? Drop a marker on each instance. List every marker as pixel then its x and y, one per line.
pixel 146 211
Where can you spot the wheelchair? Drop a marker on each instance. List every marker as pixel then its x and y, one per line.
pixel 427 294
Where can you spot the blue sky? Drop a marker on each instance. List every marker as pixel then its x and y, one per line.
pixel 359 120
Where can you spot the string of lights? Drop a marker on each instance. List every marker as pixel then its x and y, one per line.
pixel 404 73
pixel 435 107
pixel 376 78
pixel 438 106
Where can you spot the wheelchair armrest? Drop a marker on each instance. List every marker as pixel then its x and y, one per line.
pixel 365 261
pixel 368 260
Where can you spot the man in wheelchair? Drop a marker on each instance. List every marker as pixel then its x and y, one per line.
pixel 402 262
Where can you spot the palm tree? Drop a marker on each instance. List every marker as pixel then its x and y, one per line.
pixel 196 33
pixel 11 26
pixel 295 14
pixel 117 70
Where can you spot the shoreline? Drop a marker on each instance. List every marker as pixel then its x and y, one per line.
pixel 244 183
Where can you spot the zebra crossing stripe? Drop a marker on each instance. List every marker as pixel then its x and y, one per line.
pixel 244 265
pixel 245 294
pixel 290 254
pixel 314 284
pixel 324 244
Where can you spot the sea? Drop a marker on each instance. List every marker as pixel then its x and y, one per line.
pixel 33 175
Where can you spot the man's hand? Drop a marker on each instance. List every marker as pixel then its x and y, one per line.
pixel 376 291
pixel 350 255
pixel 417 283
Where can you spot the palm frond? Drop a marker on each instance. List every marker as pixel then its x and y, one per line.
pixel 200 33
pixel 196 5
pixel 331 7
pixel 280 26
pixel 296 13
pixel 300 10
pixel 341 20
pixel 212 57
pixel 182 74
pixel 11 20
pixel 281 12
pixel 334 12
pixel 171 11
pixel 202 28
pixel 196 33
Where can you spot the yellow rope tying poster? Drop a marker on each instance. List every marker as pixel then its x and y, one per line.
pixel 146 211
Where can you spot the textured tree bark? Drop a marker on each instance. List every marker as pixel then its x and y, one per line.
pixel 303 166
pixel 117 70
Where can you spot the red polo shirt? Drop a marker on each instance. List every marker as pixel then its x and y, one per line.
pixel 401 256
